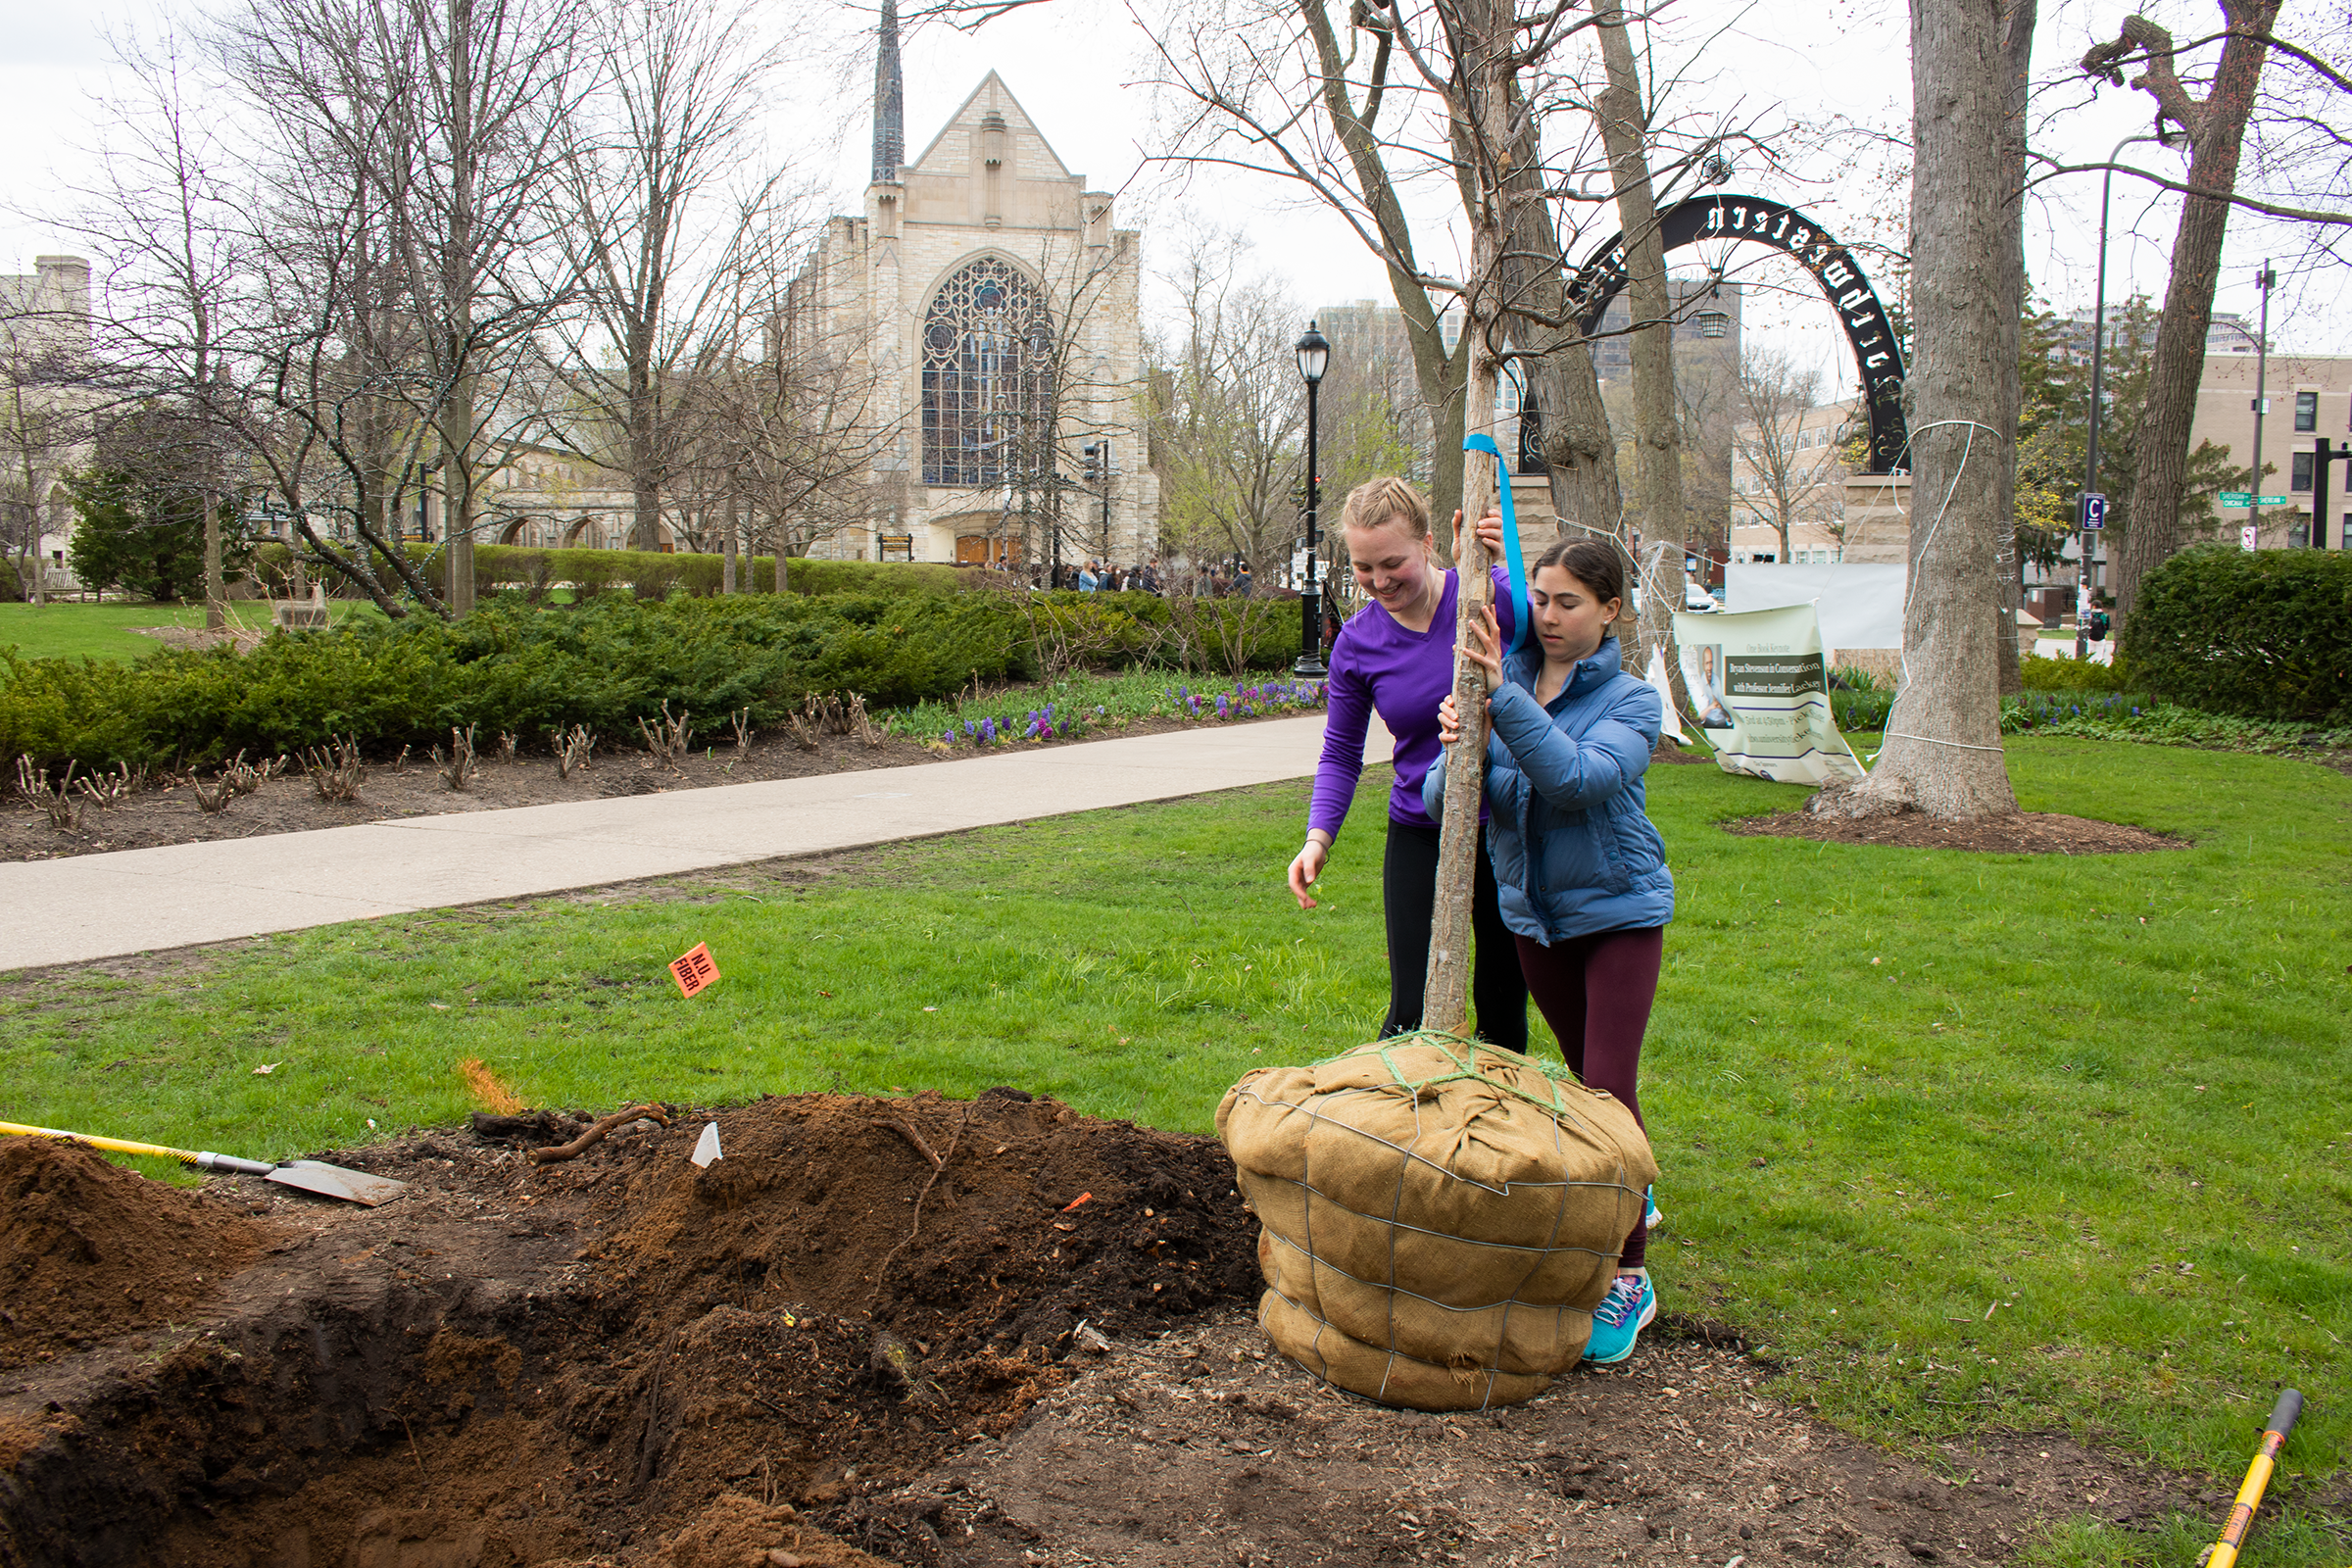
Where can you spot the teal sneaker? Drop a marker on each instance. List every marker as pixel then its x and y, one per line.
pixel 1620 1319
pixel 1650 1218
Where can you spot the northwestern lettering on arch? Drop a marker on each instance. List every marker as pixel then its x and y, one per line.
pixel 1840 278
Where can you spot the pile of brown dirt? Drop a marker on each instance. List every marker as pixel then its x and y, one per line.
pixel 89 1251
pixel 2026 833
pixel 620 1361
pixel 577 1362
pixel 1035 1219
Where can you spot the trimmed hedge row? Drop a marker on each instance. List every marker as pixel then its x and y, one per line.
pixel 605 662
pixel 651 574
pixel 2260 633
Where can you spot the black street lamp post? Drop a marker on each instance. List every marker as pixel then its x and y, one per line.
pixel 1314 354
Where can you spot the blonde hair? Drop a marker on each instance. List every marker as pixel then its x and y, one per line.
pixel 1377 502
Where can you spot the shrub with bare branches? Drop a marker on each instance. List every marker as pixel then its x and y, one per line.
pixel 214 801
pixel 334 770
pixel 55 802
pixel 670 738
pixel 111 789
pixel 458 768
pixel 572 749
pixel 246 777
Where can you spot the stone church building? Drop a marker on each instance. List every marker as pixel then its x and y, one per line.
pixel 993 304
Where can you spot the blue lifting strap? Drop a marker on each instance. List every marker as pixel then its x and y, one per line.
pixel 1510 536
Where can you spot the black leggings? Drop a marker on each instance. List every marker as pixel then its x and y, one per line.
pixel 1408 893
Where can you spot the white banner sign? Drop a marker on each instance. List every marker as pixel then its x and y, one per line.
pixel 1761 692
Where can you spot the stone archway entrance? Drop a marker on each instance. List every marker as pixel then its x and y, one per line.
pixel 1753 219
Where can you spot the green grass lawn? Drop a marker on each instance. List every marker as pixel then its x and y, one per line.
pixel 1956 1140
pixel 72 630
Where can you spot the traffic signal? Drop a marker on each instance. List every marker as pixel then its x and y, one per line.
pixel 1091 457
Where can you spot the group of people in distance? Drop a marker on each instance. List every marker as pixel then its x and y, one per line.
pixel 1572 892
pixel 1092 576
pixel 1205 580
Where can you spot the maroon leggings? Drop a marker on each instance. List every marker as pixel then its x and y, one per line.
pixel 1595 993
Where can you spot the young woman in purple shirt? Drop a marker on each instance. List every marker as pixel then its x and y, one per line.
pixel 1396 656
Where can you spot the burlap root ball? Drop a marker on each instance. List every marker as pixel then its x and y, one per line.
pixel 1439 1218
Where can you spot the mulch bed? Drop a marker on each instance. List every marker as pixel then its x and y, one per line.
pixel 2024 833
pixel 623 1361
pixel 289 805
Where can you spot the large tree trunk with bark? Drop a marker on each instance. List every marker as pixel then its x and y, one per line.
pixel 1943 755
pixel 1658 431
pixel 2217 130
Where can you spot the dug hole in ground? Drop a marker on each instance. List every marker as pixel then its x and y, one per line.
pixel 623 1359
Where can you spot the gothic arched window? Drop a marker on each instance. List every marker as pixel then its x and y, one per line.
pixel 988 348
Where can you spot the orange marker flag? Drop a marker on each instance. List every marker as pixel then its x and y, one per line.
pixel 694 970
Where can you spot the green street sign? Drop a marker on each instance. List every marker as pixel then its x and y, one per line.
pixel 2271 500
pixel 2248 498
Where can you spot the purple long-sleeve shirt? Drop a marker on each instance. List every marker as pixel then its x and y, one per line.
pixel 1377 664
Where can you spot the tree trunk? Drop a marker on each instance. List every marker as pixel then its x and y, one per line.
pixel 457 497
pixel 1485 88
pixel 2217 130
pixel 726 530
pixel 1658 431
pixel 645 532
pixel 1445 996
pixel 216 608
pixel 1944 745
pixel 2018 18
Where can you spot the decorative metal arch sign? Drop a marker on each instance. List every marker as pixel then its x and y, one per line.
pixel 1877 355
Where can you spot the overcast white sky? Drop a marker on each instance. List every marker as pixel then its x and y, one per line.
pixel 1075 65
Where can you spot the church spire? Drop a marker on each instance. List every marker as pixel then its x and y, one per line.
pixel 890 99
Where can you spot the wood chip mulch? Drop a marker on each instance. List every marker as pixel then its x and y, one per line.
pixel 2026 833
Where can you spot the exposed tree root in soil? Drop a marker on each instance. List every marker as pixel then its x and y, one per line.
pixel 623 1361
pixel 2021 833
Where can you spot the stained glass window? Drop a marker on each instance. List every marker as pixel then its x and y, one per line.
pixel 988 348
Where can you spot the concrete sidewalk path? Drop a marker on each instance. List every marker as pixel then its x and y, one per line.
pixel 137 900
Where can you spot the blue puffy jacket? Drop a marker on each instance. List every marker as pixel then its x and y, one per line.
pixel 1573 846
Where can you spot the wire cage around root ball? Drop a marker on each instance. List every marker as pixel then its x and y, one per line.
pixel 1439 1217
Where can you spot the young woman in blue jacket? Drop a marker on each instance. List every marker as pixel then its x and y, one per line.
pixel 1580 868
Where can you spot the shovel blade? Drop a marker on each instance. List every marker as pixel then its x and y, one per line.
pixel 334 1180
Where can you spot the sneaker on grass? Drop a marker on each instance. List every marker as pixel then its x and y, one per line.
pixel 1620 1319
pixel 1650 1218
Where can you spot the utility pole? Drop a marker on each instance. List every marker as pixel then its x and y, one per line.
pixel 2265 281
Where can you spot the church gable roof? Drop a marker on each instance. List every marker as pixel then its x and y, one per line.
pixel 944 153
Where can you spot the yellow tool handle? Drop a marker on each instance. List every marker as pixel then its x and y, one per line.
pixel 121 1146
pixel 2258 1477
pixel 124 1145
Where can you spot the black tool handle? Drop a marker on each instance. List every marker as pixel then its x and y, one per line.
pixel 2285 1413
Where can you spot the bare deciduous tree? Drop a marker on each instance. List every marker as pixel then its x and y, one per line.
pixel 1229 411
pixel 443 119
pixel 682 80
pixel 2216 126
pixel 1791 479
